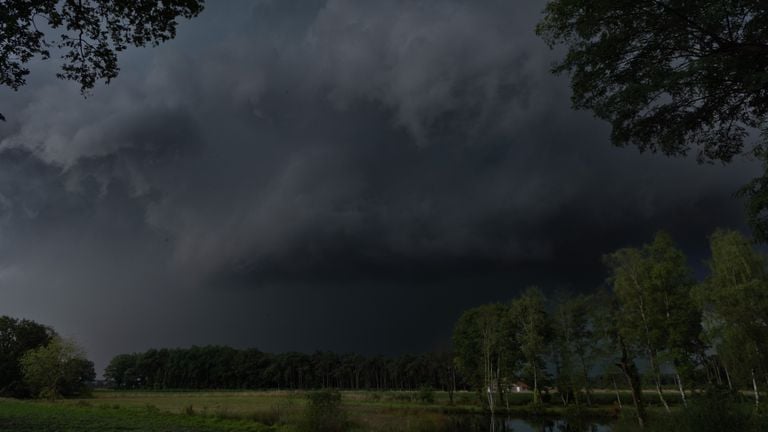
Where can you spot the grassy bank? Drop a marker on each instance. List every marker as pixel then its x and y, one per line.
pixel 255 411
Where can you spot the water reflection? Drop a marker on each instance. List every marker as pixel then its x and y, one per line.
pixel 481 423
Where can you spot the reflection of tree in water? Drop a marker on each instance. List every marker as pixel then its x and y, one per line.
pixel 549 425
pixel 480 423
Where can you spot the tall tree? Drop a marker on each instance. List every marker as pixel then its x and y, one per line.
pixel 652 287
pixel 57 369
pixel 672 281
pixel 533 331
pixel 671 76
pixel 116 372
pixel 574 344
pixel 606 317
pixel 17 337
pixel 735 297
pixel 481 343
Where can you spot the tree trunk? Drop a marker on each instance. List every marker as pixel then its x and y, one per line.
pixel 488 370
pixel 728 377
pixel 453 378
pixel 754 387
pixel 657 379
pixel 586 380
pixel 616 389
pixel 718 373
pixel 490 399
pixel 627 366
pixel 650 349
pixel 682 392
pixel 497 381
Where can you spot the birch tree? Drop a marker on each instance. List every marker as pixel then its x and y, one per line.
pixel 652 286
pixel 482 344
pixel 609 343
pixel 574 344
pixel 533 331
pixel 672 281
pixel 735 297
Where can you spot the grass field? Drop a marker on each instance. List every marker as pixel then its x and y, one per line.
pixel 283 411
pixel 258 411
pixel 24 416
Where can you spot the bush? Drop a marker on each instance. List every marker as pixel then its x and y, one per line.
pixel 717 410
pixel 426 395
pixel 270 418
pixel 57 369
pixel 323 413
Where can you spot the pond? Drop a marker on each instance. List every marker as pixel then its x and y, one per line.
pixel 486 423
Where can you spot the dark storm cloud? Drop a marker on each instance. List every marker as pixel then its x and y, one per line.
pixel 330 174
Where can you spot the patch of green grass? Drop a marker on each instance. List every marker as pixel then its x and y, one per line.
pixel 187 411
pixel 25 416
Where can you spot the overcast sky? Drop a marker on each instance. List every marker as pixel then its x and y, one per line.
pixel 344 175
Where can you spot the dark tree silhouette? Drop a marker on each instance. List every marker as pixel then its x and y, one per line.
pixel 221 367
pixel 17 337
pixel 85 34
pixel 671 76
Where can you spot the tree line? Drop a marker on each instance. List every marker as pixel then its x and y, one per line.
pixel 221 367
pixel 653 325
pixel 36 362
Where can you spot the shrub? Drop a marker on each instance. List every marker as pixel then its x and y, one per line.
pixel 57 369
pixel 426 395
pixel 323 413
pixel 270 417
pixel 715 411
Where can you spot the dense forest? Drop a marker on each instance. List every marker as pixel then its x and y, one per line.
pixel 219 367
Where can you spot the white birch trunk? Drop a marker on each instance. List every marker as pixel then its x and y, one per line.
pixel 754 387
pixel 682 392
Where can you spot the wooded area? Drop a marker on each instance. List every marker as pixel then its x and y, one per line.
pixel 652 326
pixel 220 367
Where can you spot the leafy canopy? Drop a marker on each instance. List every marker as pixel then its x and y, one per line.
pixel 735 298
pixel 653 286
pixel 87 34
pixel 18 336
pixel 671 76
pixel 57 369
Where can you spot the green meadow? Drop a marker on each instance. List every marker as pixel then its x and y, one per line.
pixel 386 411
pixel 109 411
